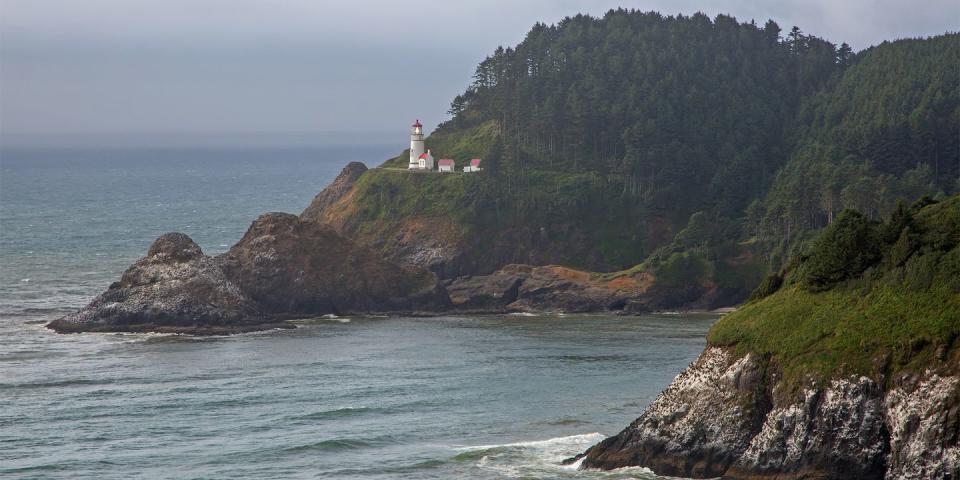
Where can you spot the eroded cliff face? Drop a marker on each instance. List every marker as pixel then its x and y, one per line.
pixel 724 417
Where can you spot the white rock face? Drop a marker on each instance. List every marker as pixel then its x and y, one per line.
pixel 923 429
pixel 839 428
pixel 697 427
pixel 710 388
pixel 719 418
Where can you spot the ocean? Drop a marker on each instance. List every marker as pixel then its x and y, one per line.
pixel 504 396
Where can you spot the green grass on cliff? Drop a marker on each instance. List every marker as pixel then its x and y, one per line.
pixel 844 331
pixel 902 312
pixel 387 196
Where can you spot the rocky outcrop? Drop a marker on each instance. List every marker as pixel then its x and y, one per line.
pixel 553 288
pixel 289 266
pixel 175 287
pixel 679 434
pixel 726 417
pixel 282 267
pixel 549 288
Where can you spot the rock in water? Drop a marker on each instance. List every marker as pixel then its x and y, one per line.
pixel 174 288
pixel 699 426
pixel 282 267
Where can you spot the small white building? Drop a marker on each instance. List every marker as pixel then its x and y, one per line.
pixel 425 161
pixel 446 165
pixel 474 166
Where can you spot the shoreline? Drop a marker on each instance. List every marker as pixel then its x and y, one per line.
pixel 290 322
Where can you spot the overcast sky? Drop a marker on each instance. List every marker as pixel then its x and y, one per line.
pixel 101 68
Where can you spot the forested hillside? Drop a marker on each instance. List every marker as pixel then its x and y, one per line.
pixel 889 129
pixel 680 113
pixel 670 143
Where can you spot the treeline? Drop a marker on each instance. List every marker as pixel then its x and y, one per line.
pixel 915 247
pixel 889 129
pixel 771 134
pixel 674 112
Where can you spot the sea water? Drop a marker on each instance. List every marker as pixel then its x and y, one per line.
pixel 365 397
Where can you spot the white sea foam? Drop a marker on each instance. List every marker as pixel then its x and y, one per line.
pixel 589 438
pixel 523 314
pixel 542 459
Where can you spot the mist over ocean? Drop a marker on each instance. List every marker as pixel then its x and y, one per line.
pixel 451 397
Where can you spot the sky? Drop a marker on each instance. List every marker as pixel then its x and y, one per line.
pixel 296 70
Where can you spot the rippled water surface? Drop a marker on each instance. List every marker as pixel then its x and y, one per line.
pixel 452 397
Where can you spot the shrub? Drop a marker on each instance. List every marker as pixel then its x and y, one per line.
pixel 843 251
pixel 767 287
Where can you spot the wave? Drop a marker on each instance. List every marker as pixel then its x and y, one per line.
pixel 542 459
pixel 321 319
pixel 337 444
pixel 562 421
pixel 337 413
pixel 550 442
pixel 330 445
pixel 55 384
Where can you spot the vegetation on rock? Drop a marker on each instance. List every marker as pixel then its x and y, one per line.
pixel 862 300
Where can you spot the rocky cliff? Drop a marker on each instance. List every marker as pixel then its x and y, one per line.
pixel 450 224
pixel 407 218
pixel 282 267
pixel 726 416
pixel 555 288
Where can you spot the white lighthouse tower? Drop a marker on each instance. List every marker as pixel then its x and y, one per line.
pixel 416 145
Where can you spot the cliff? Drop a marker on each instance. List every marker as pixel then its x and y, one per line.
pixel 729 417
pixel 847 367
pixel 427 220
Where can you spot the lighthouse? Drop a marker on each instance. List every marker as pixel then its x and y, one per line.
pixel 416 145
